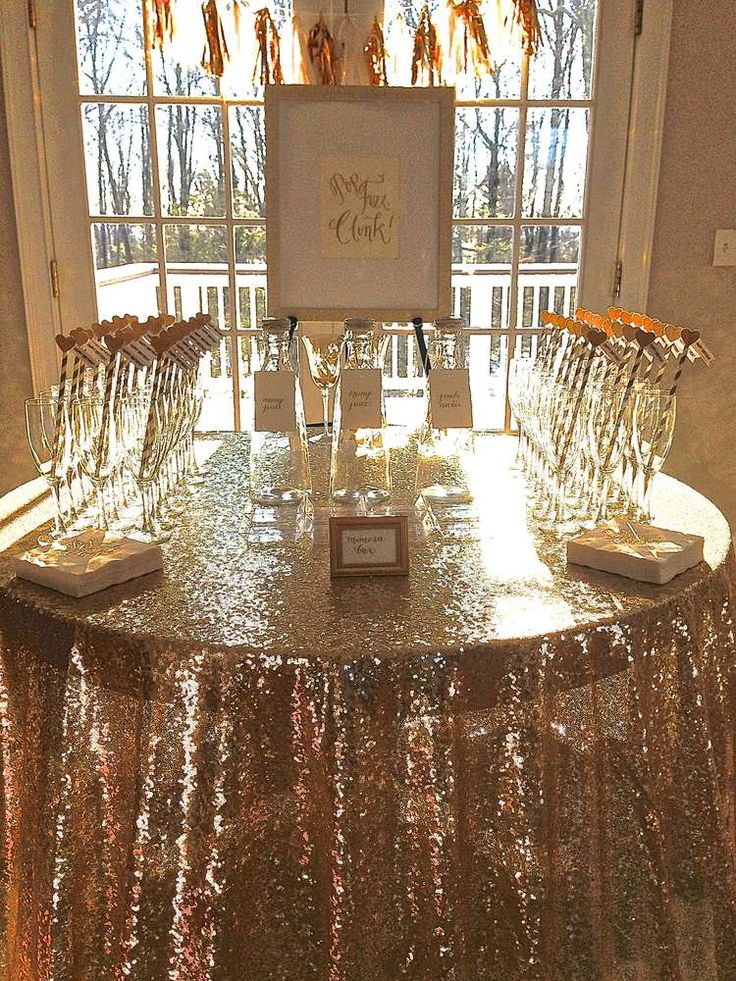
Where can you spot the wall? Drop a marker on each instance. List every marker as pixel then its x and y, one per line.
pixel 697 195
pixel 15 370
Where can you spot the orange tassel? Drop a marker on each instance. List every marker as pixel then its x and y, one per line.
pixel 321 48
pixel 215 52
pixel 375 50
pixel 268 58
pixel 162 22
pixel 527 17
pixel 467 17
pixel 427 56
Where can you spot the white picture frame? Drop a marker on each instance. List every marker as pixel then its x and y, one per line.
pixel 386 155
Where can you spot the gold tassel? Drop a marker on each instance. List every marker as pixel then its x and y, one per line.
pixel 268 57
pixel 427 54
pixel 321 48
pixel 161 20
pixel 215 52
pixel 527 17
pixel 375 50
pixel 466 16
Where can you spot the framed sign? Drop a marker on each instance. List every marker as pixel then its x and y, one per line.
pixel 377 546
pixel 359 201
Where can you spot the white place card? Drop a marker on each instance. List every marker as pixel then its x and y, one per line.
pixel 274 397
pixel 449 398
pixel 360 398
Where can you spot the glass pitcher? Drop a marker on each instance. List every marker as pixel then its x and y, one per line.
pixel 279 457
pixel 360 465
pixel 442 454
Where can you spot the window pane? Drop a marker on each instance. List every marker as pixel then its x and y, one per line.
pixel 488 380
pixel 191 162
pixel 481 276
pixel 177 71
pixel 248 143
pixel 110 47
pixel 557 245
pixel 563 66
pixel 199 245
pixel 126 270
pixel 474 245
pixel 117 157
pixel 485 162
pixel 555 155
pixel 504 83
pixel 215 378
pixel 250 247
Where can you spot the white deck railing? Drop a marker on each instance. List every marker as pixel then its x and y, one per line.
pixel 480 295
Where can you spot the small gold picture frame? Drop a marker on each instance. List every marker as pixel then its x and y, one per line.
pixel 369 546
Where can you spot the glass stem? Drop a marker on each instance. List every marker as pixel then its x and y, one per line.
pixel 326 410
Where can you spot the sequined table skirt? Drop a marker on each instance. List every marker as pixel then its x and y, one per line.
pixel 502 768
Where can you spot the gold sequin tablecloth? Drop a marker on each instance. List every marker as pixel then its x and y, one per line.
pixel 499 769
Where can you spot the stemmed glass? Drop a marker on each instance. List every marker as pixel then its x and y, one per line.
pixel 653 419
pixel 47 431
pixel 96 432
pixel 323 355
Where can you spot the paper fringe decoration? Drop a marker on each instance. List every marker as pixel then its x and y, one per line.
pixel 215 52
pixel 466 17
pixel 321 49
pixel 162 22
pixel 526 16
pixel 268 58
pixel 426 58
pixel 375 50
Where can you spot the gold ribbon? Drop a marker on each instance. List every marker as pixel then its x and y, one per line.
pixel 268 59
pixel 215 52
pixel 375 50
pixel 427 55
pixel 466 16
pixel 162 22
pixel 527 17
pixel 321 49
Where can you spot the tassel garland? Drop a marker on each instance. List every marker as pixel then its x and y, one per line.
pixel 268 57
pixel 215 52
pixel 527 17
pixel 474 54
pixel 375 50
pixel 426 59
pixel 321 49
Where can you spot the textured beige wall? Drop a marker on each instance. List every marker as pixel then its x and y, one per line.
pixel 697 195
pixel 15 370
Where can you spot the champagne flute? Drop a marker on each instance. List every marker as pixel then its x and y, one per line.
pixel 47 432
pixel 323 355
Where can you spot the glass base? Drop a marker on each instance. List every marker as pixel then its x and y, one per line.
pixel 371 495
pixel 278 495
pixel 446 494
pixel 320 437
pixel 156 537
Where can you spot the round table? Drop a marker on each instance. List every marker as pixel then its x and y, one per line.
pixel 500 767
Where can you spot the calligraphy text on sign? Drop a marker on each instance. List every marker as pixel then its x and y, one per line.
pixel 360 398
pixel 360 207
pixel 449 398
pixel 274 396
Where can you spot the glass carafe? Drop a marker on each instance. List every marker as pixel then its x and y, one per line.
pixel 360 467
pixel 279 457
pixel 443 453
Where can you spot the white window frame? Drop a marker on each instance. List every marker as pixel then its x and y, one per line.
pixel 42 110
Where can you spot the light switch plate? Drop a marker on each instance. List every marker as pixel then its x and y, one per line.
pixel 724 252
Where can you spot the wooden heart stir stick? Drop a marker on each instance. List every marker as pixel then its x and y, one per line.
pixel 595 337
pixel 688 338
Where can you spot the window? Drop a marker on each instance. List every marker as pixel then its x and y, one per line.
pixel 175 216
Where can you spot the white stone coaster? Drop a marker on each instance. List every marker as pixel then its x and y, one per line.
pixel 636 551
pixel 88 562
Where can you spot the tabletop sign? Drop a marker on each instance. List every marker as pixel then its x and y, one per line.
pixel 369 546
pixel 360 398
pixel 274 402
pixel 449 398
